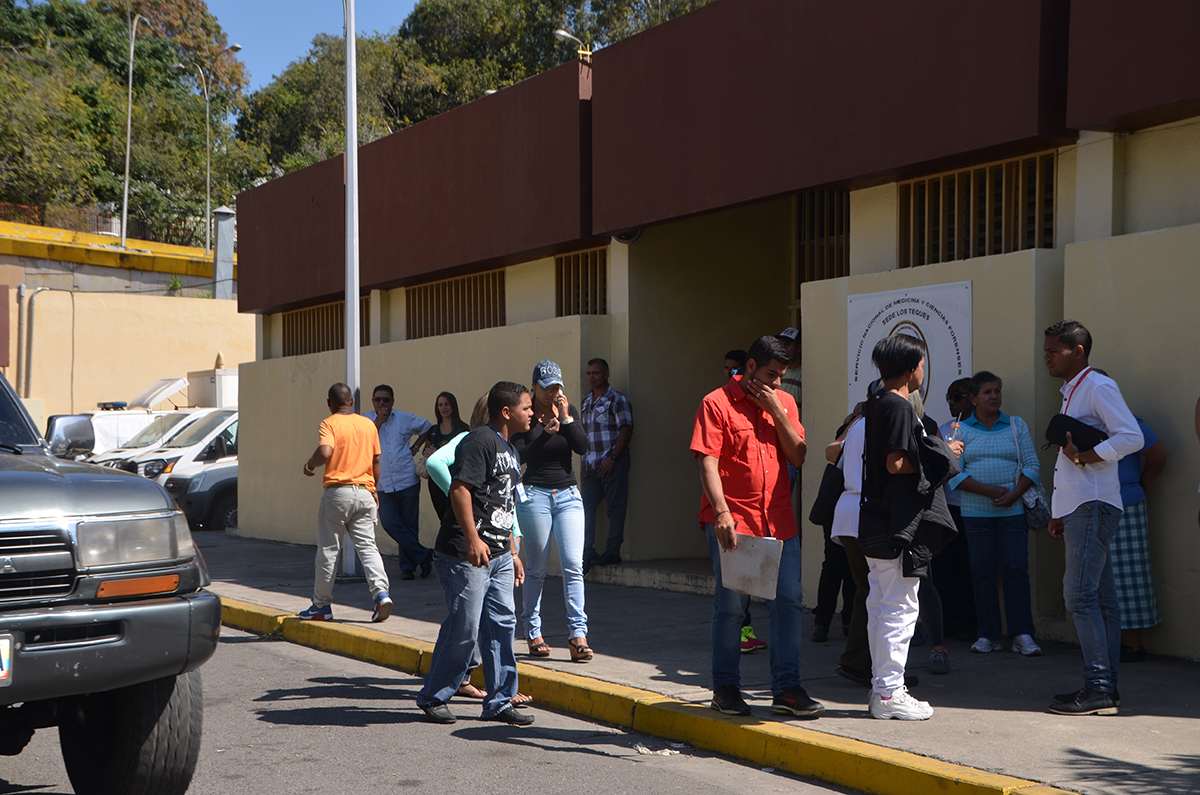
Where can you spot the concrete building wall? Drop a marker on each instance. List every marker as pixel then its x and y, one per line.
pixel 1162 177
pixel 283 401
pixel 1136 294
pixel 1015 297
pixel 874 229
pixel 91 347
pixel 697 288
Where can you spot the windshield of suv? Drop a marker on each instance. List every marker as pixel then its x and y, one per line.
pixel 195 433
pixel 156 430
pixel 14 430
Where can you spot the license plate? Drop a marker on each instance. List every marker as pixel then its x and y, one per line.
pixel 6 647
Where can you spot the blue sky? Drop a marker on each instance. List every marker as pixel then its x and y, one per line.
pixel 273 33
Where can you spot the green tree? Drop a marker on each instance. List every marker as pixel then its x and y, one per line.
pixel 63 71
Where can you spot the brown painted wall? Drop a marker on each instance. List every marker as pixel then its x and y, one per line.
pixel 5 301
pixel 495 178
pixel 743 100
pixel 291 239
pixel 1133 65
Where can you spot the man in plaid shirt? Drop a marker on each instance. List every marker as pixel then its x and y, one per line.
pixel 608 420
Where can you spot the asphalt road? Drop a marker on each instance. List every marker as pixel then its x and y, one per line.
pixel 283 719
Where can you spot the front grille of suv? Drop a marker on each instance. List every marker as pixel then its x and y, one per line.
pixel 176 486
pixel 35 564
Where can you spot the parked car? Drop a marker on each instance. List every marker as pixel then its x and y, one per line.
pixel 104 620
pixel 161 430
pixel 206 492
pixel 209 439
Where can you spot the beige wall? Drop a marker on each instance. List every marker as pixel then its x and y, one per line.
pixel 1015 297
pixel 874 229
pixel 529 291
pixel 283 401
pixel 697 288
pixel 1137 295
pixel 92 347
pixel 1162 176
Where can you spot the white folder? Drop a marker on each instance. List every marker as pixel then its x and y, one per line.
pixel 752 568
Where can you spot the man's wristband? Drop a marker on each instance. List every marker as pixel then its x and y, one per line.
pixel 309 469
pixel 718 514
pixel 613 456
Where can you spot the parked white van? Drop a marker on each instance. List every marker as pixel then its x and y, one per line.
pixel 210 438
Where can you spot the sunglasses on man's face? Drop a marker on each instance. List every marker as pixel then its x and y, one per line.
pixel 381 400
pixel 958 396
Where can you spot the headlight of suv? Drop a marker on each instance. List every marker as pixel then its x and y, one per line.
pixel 152 469
pixel 196 483
pixel 111 543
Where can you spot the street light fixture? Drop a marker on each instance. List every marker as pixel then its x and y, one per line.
pixel 584 53
pixel 205 81
pixel 129 126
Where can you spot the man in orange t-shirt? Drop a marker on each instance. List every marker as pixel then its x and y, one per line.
pixel 348 448
pixel 745 433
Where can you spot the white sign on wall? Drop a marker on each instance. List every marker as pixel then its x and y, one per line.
pixel 939 315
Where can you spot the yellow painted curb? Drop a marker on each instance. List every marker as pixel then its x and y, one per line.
pixel 843 761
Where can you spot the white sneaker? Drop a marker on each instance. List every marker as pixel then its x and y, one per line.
pixel 1024 645
pixel 900 706
pixel 984 646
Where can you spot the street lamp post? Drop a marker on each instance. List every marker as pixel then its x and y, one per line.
pixel 582 51
pixel 205 82
pixel 129 127
pixel 349 559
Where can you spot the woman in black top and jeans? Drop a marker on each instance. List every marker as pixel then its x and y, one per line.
pixel 446 426
pixel 552 506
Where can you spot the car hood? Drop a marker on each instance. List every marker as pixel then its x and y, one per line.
pixel 38 486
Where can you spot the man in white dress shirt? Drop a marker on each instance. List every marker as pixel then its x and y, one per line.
pixel 1086 509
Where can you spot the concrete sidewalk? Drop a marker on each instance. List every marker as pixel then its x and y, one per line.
pixel 653 652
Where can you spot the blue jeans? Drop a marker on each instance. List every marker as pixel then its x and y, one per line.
pixel 613 490
pixel 399 515
pixel 480 601
pixel 1004 539
pixel 1090 591
pixel 557 513
pixel 787 620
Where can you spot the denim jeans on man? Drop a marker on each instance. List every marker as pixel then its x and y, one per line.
pixel 1090 591
pixel 614 491
pixel 787 620
pixel 480 601
pixel 1003 538
pixel 399 513
pixel 557 513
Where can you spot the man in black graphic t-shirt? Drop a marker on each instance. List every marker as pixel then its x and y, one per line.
pixel 475 565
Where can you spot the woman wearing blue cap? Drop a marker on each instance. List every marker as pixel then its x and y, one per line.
pixel 552 506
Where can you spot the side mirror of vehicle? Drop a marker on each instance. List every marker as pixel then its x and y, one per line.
pixel 70 435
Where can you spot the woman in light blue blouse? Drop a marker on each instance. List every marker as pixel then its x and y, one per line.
pixel 998 465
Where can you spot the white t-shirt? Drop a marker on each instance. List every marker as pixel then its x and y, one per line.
pixel 845 515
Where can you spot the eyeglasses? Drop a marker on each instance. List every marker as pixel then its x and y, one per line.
pixel 381 400
pixel 957 396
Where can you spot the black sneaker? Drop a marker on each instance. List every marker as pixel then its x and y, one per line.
pixel 1086 702
pixel 511 716
pixel 1064 698
pixel 438 713
pixel 821 633
pixel 427 566
pixel 407 575
pixel 795 701
pixel 728 701
pixel 1130 654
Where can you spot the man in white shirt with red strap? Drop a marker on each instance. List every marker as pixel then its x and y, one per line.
pixel 1087 508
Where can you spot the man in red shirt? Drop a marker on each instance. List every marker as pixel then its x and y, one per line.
pixel 744 435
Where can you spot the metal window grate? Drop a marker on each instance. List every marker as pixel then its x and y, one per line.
pixel 323 328
pixel 823 236
pixel 467 303
pixel 581 283
pixel 989 209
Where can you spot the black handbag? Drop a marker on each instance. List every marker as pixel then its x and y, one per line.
pixel 833 483
pixel 1083 435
